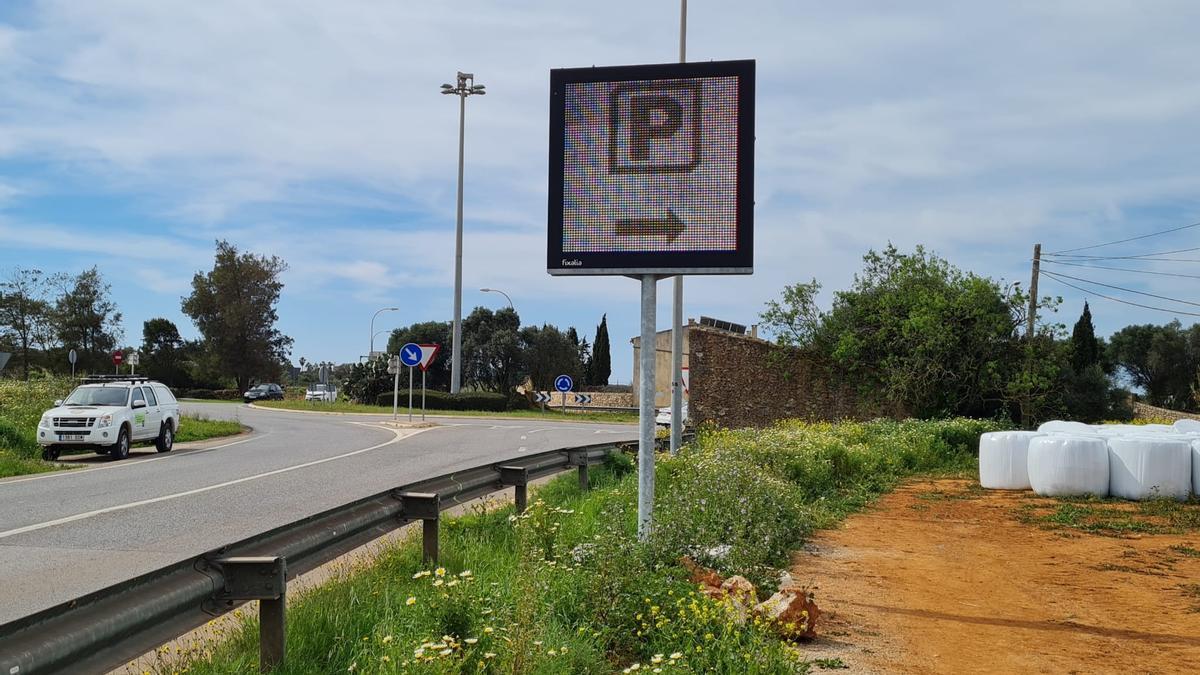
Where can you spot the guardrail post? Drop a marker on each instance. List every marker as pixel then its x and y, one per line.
pixel 518 477
pixel 426 507
pixel 579 459
pixel 262 578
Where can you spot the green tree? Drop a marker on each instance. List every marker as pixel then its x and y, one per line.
pixel 492 349
pixel 163 354
pixel 548 353
pixel 1160 360
pixel 795 318
pixel 601 361
pixel 428 332
pixel 87 320
pixel 25 313
pixel 234 308
pixel 1085 348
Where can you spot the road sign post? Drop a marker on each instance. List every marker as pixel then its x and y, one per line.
pixel 118 359
pixel 134 360
pixel 394 370
pixel 564 383
pixel 72 357
pixel 411 355
pixel 429 352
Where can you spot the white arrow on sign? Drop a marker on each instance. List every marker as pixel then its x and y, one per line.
pixel 541 397
pixel 583 398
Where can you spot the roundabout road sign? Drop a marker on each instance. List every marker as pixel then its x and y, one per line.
pixel 564 383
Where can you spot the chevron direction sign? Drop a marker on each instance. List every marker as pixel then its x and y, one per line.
pixel 541 397
pixel 583 398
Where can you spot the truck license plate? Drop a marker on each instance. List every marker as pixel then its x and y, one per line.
pixel 70 437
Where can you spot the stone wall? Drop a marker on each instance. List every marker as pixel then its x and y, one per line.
pixel 740 381
pixel 1146 411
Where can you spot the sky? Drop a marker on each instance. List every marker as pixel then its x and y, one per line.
pixel 136 133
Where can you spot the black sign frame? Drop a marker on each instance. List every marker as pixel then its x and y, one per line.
pixel 738 261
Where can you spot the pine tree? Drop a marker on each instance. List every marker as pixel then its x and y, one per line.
pixel 601 357
pixel 1085 349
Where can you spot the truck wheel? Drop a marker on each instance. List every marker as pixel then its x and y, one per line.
pixel 166 438
pixel 50 454
pixel 121 449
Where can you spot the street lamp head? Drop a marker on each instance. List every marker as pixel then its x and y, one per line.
pixel 485 290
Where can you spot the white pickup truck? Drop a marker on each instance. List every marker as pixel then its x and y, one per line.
pixel 321 392
pixel 108 414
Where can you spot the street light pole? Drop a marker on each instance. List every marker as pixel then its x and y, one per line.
pixel 497 290
pixel 371 349
pixel 465 87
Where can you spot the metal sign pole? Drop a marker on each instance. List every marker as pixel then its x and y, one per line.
pixel 677 300
pixel 395 394
pixel 646 356
pixel 410 393
pixel 422 395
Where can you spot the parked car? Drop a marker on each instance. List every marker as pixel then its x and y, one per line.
pixel 108 415
pixel 663 418
pixel 263 392
pixel 321 392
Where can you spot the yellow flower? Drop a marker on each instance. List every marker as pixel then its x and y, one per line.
pixel 441 571
pixel 410 601
pixel 446 652
pixel 471 641
pixel 490 655
pixel 657 658
pixel 438 582
pixel 552 653
pixel 677 655
pixel 387 639
pixel 489 629
pixel 422 573
pixel 465 573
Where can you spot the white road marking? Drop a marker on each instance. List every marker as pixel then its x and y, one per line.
pixel 122 465
pixel 534 431
pixel 121 507
pixel 521 449
pixel 524 437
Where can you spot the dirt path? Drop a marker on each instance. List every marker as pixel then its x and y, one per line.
pixel 942 577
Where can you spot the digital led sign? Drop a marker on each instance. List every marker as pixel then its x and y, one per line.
pixel 652 169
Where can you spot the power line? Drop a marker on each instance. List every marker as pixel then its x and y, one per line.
pixel 1189 260
pixel 1122 241
pixel 1109 297
pixel 1124 269
pixel 1127 257
pixel 1127 290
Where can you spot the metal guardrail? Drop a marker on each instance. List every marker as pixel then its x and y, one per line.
pixel 106 629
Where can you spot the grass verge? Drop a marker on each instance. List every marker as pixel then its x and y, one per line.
pixel 567 588
pixel 202 428
pixel 549 414
pixel 1111 516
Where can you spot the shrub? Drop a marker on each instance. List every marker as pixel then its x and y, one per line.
pixel 212 394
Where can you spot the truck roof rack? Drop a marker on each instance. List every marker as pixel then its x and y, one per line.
pixel 107 379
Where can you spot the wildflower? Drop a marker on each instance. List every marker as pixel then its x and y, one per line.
pixel 446 652
pixel 438 582
pixel 657 658
pixel 452 582
pixel 490 655
pixel 441 571
pixel 387 639
pixel 552 652
pixel 465 573
pixel 537 643
pixel 677 655
pixel 353 667
pixel 410 601
pixel 422 573
pixel 489 629
pixel 386 658
pixel 471 641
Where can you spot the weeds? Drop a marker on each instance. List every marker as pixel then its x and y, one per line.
pixel 566 587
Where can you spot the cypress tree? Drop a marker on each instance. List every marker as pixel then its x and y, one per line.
pixel 1085 349
pixel 601 357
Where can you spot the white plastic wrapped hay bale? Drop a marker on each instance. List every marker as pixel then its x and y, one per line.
pixel 1068 466
pixel 1187 426
pixel 1004 459
pixel 1065 427
pixel 1196 467
pixel 1156 428
pixel 1150 466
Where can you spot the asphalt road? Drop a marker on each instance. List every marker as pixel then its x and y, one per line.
pixel 66 534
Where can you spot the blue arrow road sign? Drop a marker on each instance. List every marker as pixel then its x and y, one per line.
pixel 410 354
pixel 564 383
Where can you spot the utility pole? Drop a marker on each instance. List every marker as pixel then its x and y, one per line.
pixel 1033 290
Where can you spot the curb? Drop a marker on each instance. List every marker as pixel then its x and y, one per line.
pixel 439 414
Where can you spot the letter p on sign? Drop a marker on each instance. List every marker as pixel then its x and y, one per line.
pixel 654 127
